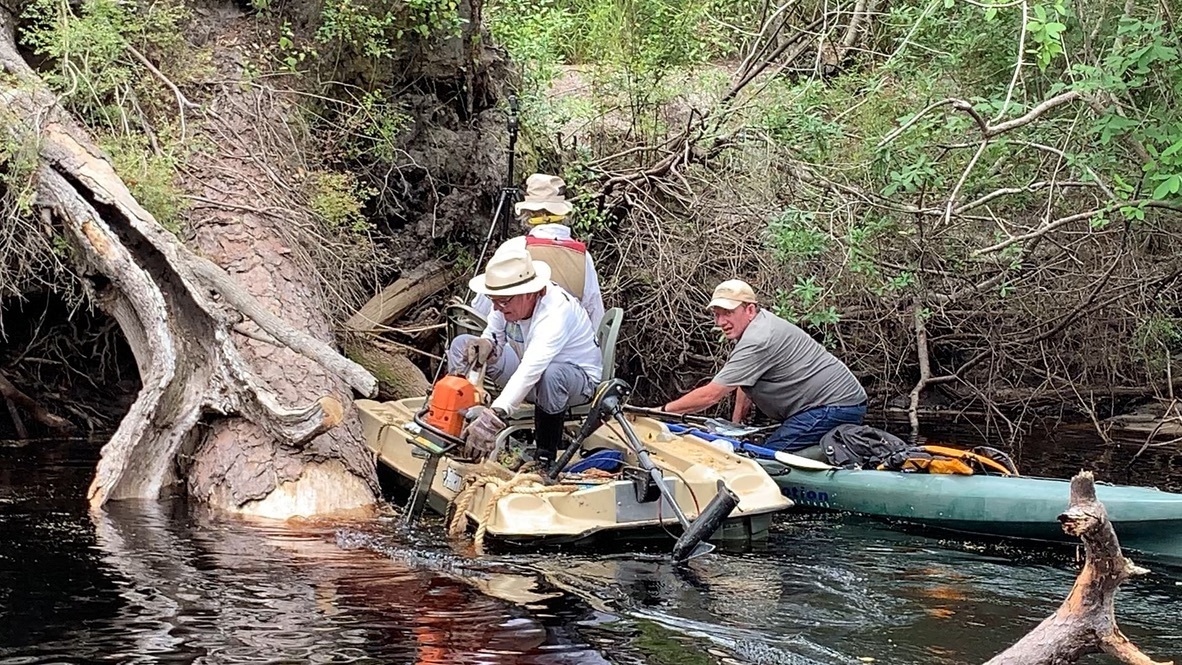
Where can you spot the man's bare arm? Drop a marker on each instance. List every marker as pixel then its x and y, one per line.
pixel 742 407
pixel 699 398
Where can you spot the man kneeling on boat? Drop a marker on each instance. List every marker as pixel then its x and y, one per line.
pixel 538 345
pixel 779 368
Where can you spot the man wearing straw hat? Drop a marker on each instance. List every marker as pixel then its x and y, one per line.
pixel 777 367
pixel 538 345
pixel 544 210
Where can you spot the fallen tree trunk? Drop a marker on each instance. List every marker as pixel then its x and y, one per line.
pixel 1085 623
pixel 178 312
pixel 420 284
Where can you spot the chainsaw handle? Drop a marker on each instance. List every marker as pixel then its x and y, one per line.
pixel 476 378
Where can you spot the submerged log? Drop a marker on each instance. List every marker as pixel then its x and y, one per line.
pixel 1085 623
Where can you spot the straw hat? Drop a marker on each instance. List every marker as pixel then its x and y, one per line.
pixel 511 272
pixel 732 293
pixel 544 192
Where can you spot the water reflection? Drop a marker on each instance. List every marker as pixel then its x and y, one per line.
pixel 157 583
pixel 196 588
pixel 833 590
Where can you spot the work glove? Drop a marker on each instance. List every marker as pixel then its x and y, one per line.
pixel 484 424
pixel 479 351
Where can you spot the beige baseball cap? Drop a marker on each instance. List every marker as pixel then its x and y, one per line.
pixel 732 293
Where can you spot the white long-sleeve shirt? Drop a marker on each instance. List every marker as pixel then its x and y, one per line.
pixel 592 300
pixel 558 331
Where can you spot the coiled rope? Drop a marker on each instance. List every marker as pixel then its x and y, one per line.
pixel 525 481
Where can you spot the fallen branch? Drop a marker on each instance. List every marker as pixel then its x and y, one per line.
pixel 1085 622
pixel 13 395
pixel 418 285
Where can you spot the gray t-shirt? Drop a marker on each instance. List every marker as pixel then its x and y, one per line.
pixel 784 371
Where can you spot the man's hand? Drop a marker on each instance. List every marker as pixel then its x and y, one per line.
pixel 479 351
pixel 483 427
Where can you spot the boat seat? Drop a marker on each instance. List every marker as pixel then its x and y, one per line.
pixel 463 320
pixel 605 337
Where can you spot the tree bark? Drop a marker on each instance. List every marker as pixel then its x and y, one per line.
pixel 421 283
pixel 1085 623
pixel 177 310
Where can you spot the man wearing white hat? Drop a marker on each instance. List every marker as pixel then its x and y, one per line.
pixel 538 344
pixel 777 367
pixel 544 210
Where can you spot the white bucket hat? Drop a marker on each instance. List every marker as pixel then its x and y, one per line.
pixel 511 272
pixel 732 293
pixel 544 192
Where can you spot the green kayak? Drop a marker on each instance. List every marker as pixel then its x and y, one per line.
pixel 1145 519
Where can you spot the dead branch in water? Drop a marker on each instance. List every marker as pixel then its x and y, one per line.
pixel 15 398
pixel 1085 623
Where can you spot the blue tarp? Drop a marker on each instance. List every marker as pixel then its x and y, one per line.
pixel 745 446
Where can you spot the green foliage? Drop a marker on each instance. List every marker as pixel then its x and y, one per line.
pixel 376 28
pixel 535 32
pixel 633 52
pixel 93 69
pixel 1158 340
pixel 1046 32
pixel 18 166
pixel 372 127
pixel 150 175
pixel 338 199
pixel 587 220
pixel 802 304
pixel 794 236
pixel 291 55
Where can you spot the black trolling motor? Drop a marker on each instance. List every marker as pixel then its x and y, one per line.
pixel 509 194
pixel 609 404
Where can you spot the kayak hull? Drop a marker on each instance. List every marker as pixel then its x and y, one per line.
pixel 1021 507
pixel 581 510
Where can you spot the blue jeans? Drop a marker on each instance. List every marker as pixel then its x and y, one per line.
pixel 806 428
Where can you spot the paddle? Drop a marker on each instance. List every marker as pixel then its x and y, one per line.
pixel 666 415
pixel 796 461
pixel 726 428
pixel 717 426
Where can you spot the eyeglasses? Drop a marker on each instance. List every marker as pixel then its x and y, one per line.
pixel 501 301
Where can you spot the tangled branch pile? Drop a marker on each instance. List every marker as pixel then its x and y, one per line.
pixel 973 204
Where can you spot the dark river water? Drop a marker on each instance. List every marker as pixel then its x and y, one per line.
pixel 158 583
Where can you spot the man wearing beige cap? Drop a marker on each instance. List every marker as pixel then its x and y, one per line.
pixel 780 369
pixel 544 210
pixel 538 345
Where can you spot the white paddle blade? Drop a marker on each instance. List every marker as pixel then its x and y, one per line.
pixel 798 462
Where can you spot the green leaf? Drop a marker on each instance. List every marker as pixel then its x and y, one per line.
pixel 1170 185
pixel 991 13
pixel 1133 212
pixel 1054 29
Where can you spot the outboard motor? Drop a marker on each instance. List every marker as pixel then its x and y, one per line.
pixel 608 404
